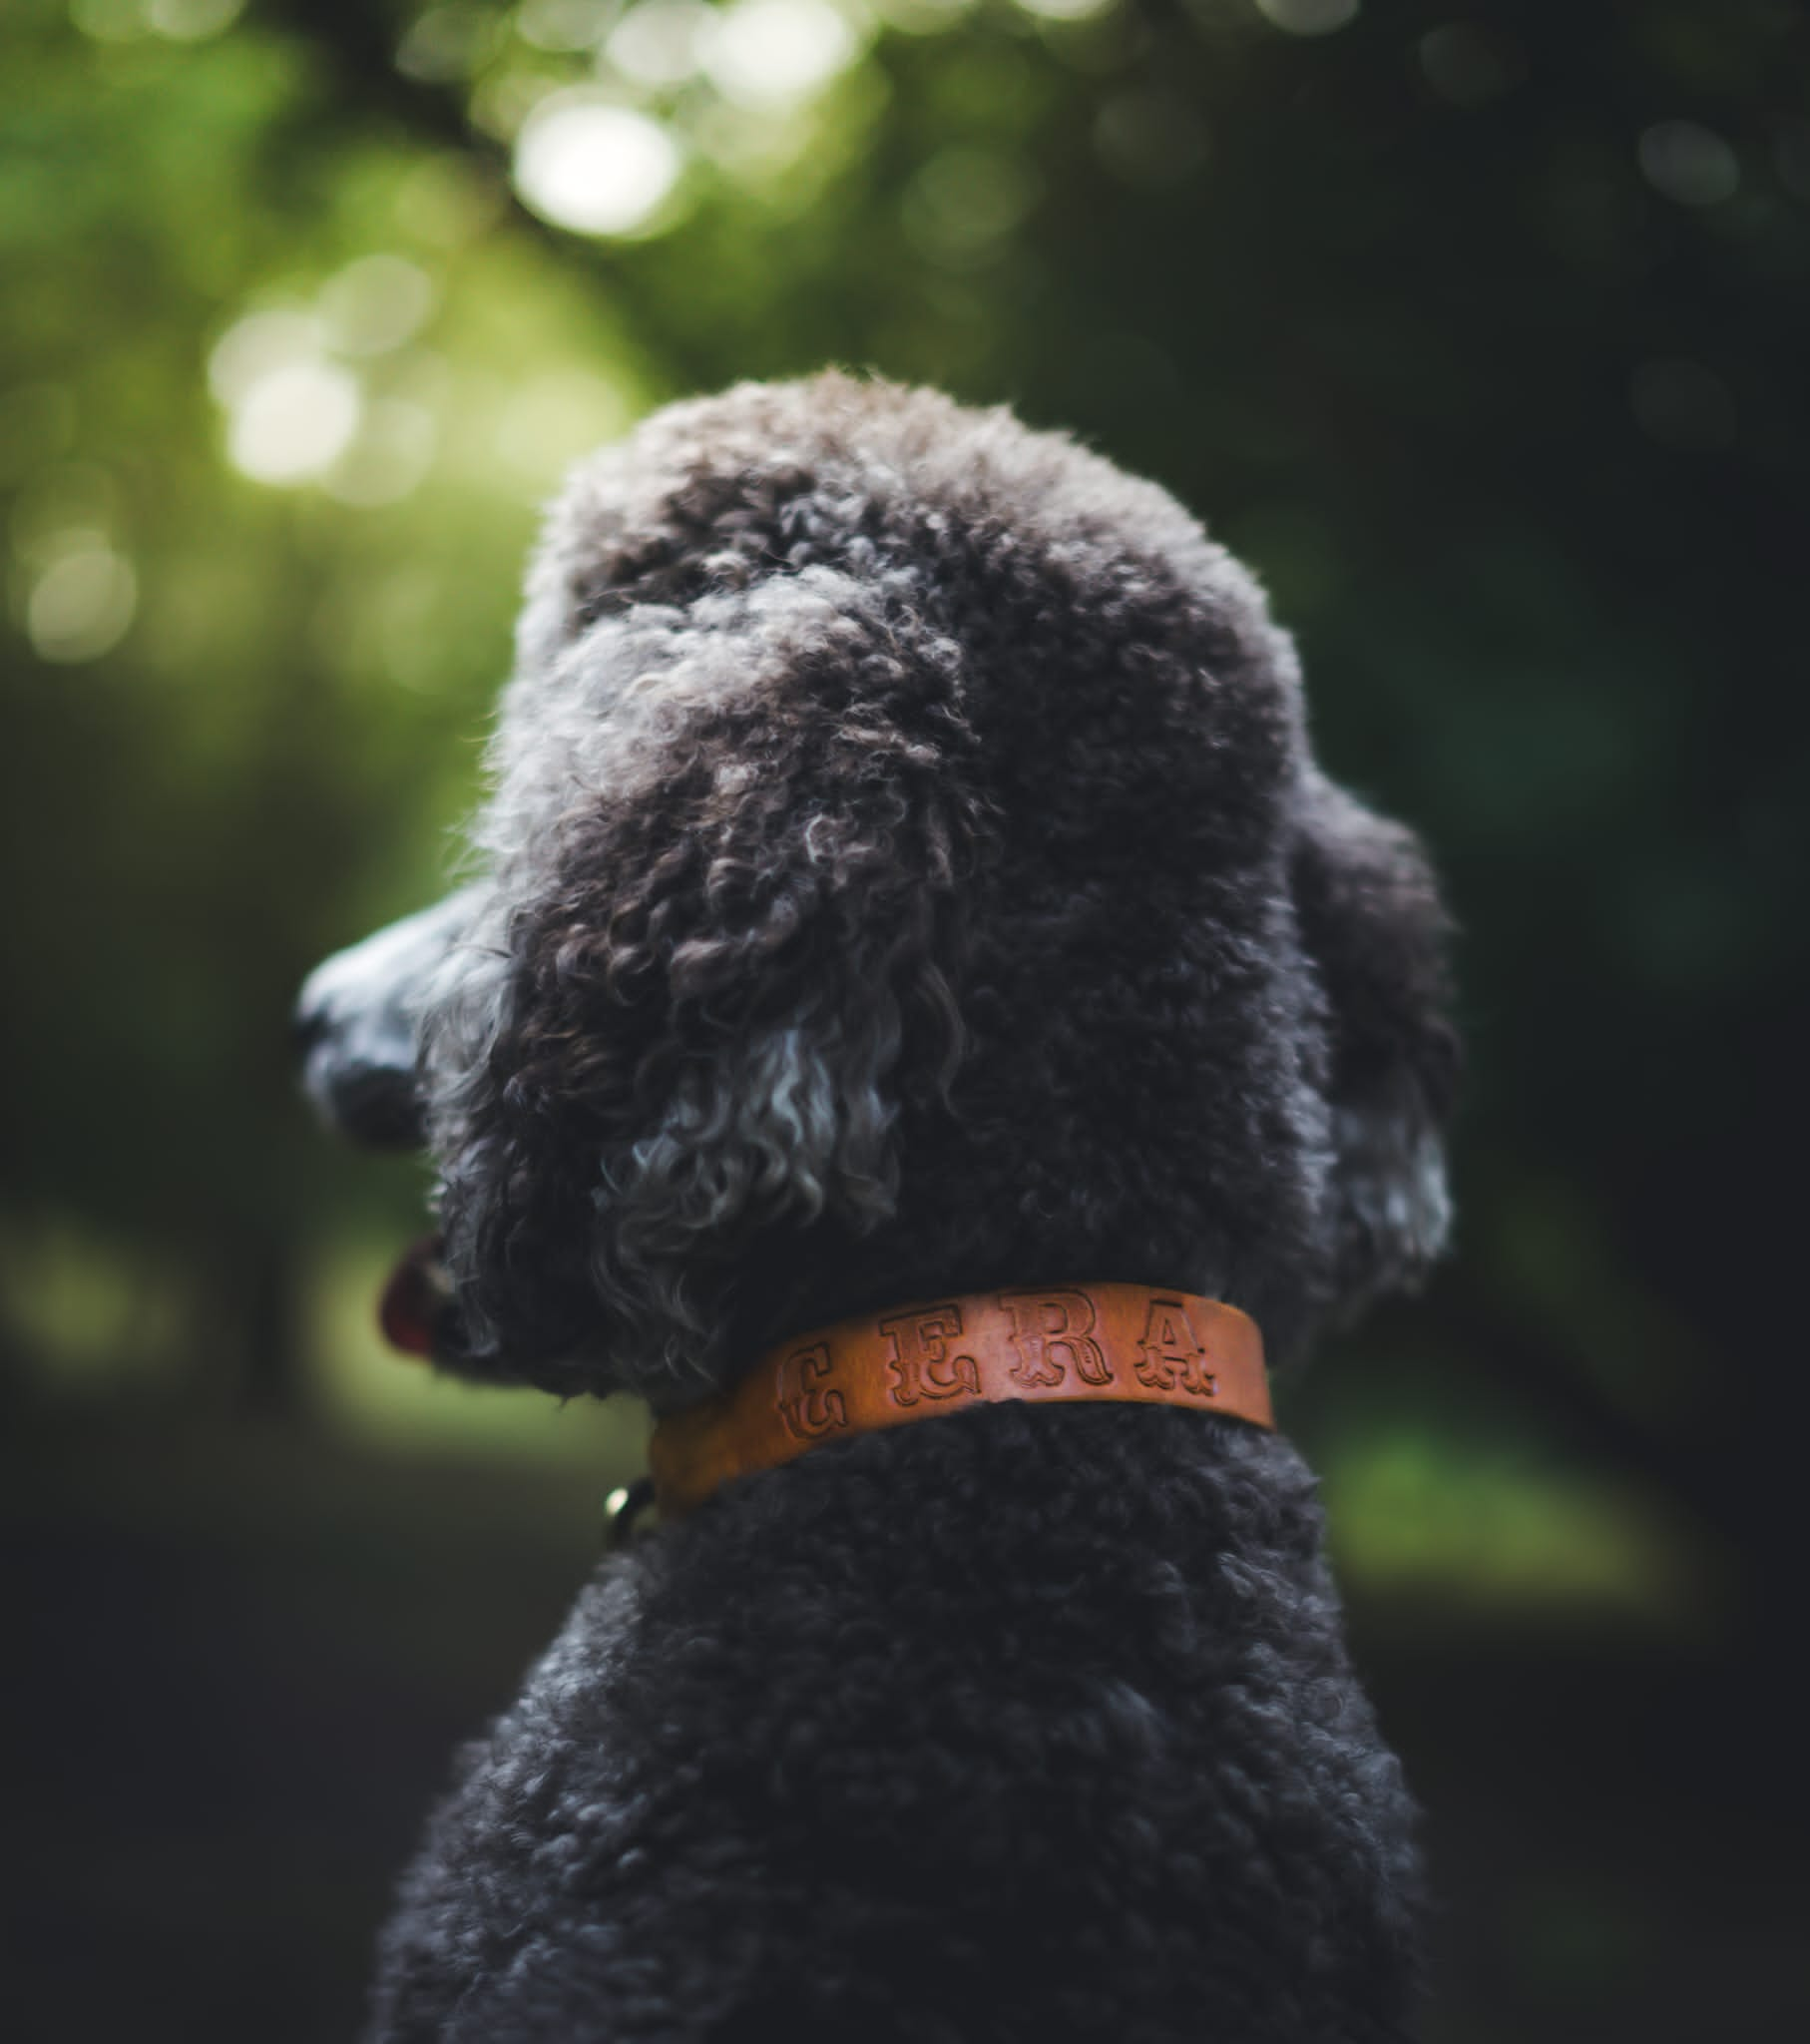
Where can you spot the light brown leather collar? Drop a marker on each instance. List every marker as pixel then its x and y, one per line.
pixel 1127 1342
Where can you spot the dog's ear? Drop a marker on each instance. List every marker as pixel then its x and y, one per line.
pixel 730 950
pixel 1372 922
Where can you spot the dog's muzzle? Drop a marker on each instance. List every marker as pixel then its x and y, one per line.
pixel 357 1030
pixel 358 1040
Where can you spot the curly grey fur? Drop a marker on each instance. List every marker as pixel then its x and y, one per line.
pixel 1031 1726
pixel 906 873
pixel 872 772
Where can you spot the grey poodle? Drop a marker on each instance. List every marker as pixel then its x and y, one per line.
pixel 905 874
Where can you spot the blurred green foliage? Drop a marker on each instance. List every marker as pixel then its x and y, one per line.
pixel 1478 327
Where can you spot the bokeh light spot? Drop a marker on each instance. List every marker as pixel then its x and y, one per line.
pixel 448 42
pixel 294 422
pixel 772 53
pixel 1065 10
pixel 597 169
pixel 965 200
pixel 658 44
pixel 1689 163
pixel 257 345
pixel 560 25
pixel 375 305
pixel 83 599
pixel 193 21
pixel 1308 17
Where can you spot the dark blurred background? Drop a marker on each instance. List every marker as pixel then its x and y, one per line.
pixel 1480 328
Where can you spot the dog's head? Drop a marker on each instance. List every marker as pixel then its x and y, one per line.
pixel 904 872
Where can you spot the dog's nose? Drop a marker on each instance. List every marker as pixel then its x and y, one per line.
pixel 354 1044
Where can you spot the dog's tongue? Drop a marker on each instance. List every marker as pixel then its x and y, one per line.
pixel 415 1300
